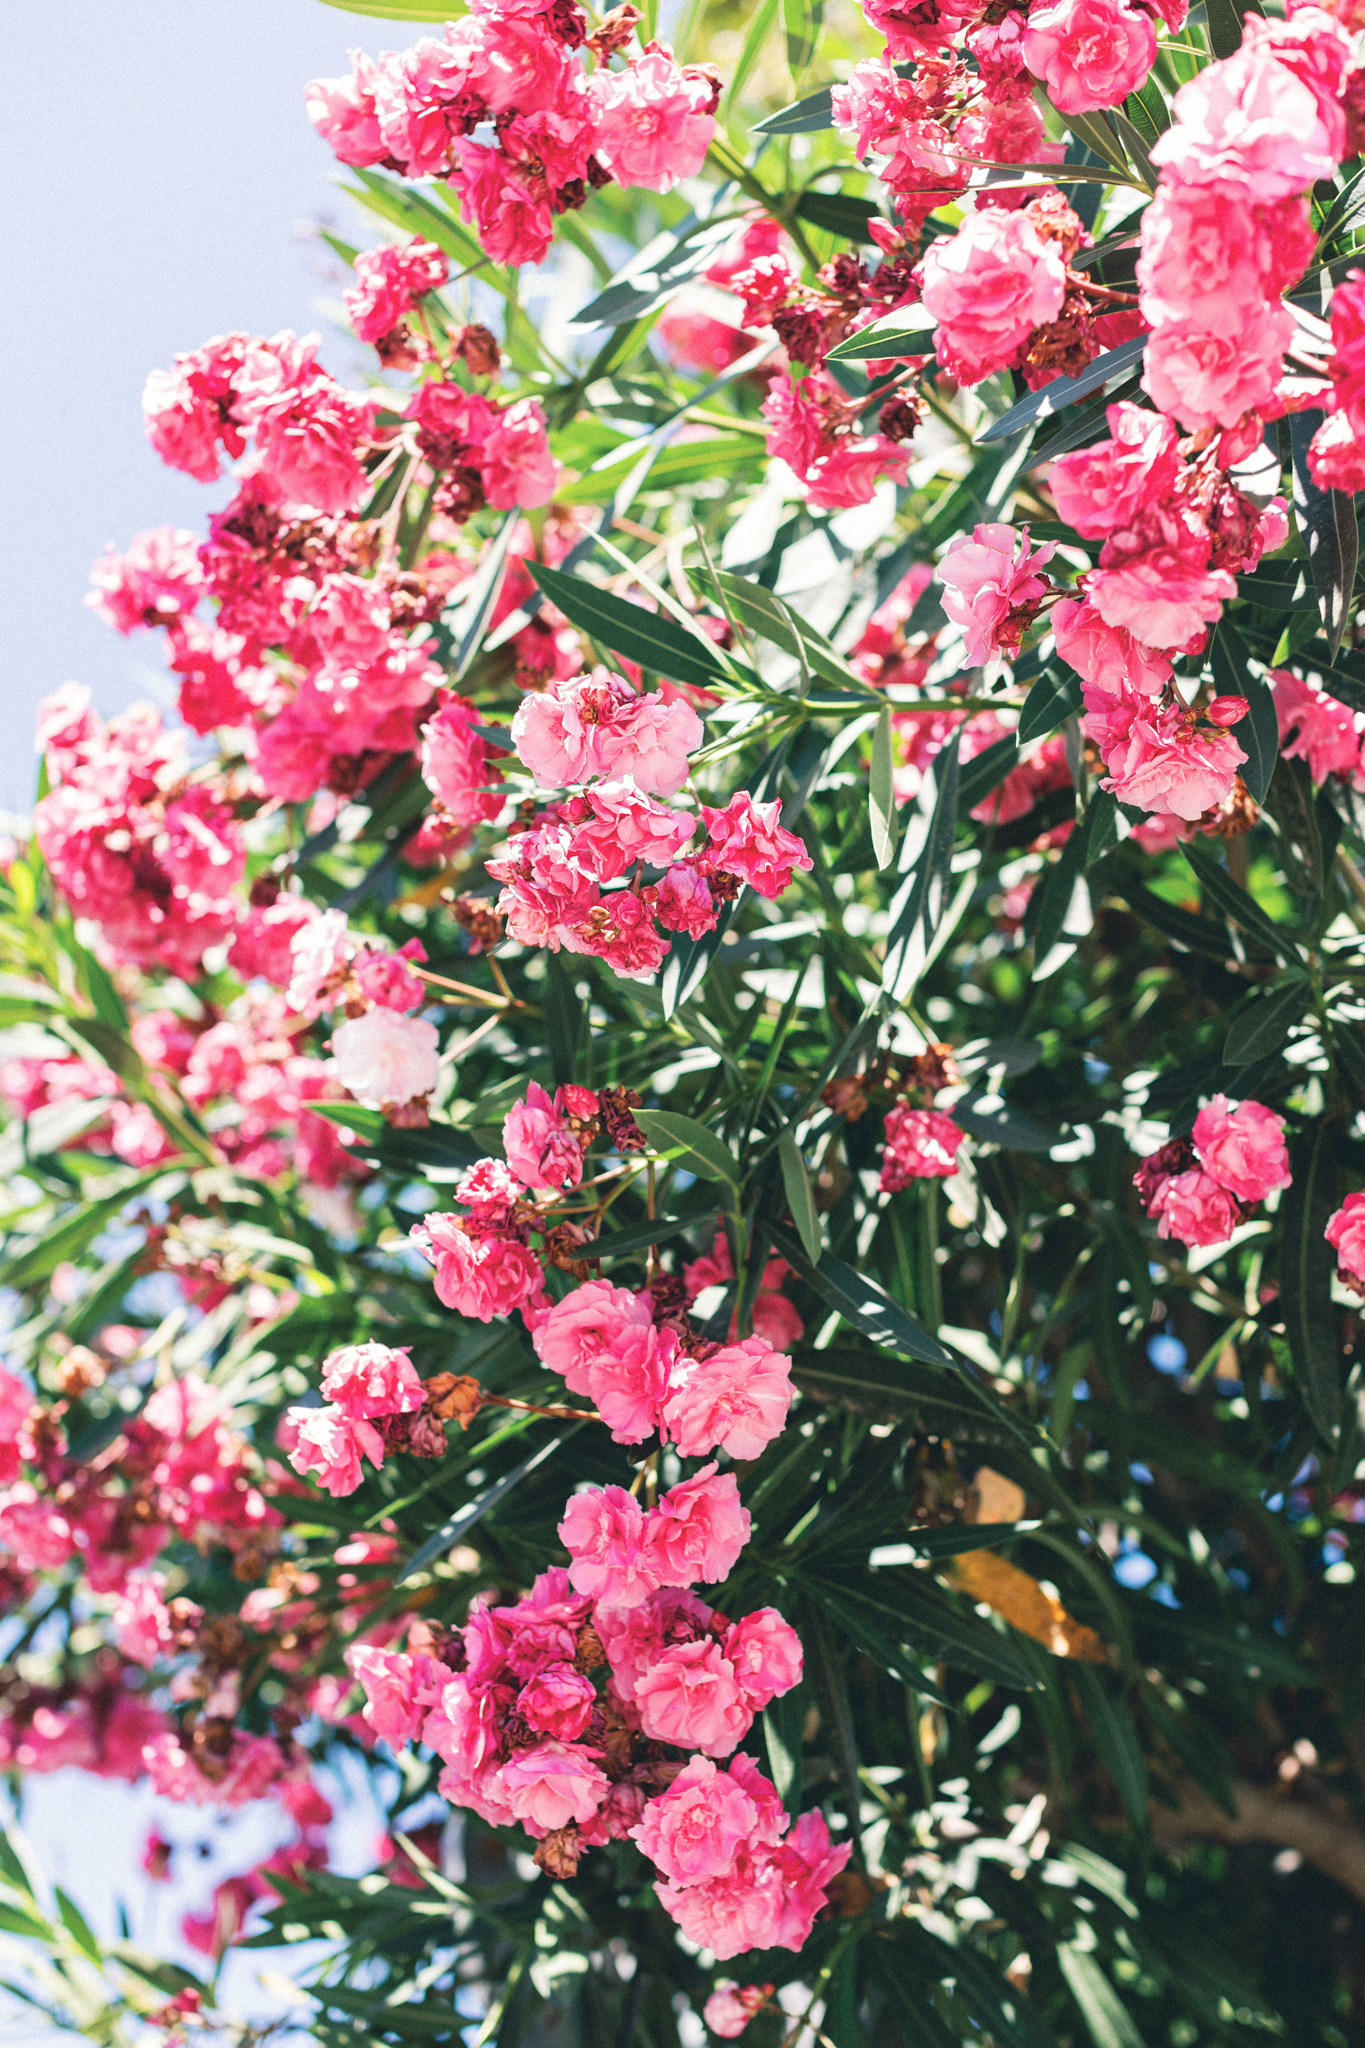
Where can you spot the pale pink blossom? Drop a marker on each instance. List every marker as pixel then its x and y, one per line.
pixel 399 1690
pixel 695 1829
pixel 1193 1207
pixel 366 1380
pixel 1346 1234
pixel 604 1532
pixel 729 2009
pixel 992 588
pixel 1211 379
pixel 1314 727
pixel 1161 760
pixel 144 1630
pixel 1242 1146
pixel 548 1786
pixel 330 1444
pixel 697 1531
pixel 1089 53
pixel 598 725
pixel 1248 128
pixel 457 766
pixel 1204 259
pixel 1105 486
pixel 557 1701
pixel 154 582
pixel 1336 460
pixel 683 902
pixel 625 826
pixel 1108 659
pixel 690 1696
pixel 481 1276
pixel 736 1401
pixel 515 458
pixel 766 1653
pixel 653 122
pixel 1155 582
pixel 988 286
pixel 603 1340
pixel 385 1057
pixel 389 283
pixel 343 112
pixel 745 839
pixel 542 1150
pixel 35 1531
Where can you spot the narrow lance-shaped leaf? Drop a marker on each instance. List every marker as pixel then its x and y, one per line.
pixel 1264 1026
pixel 1328 521
pixel 926 861
pixel 800 1195
pixel 702 1151
pixel 885 821
pixel 463 1520
pixel 655 642
pixel 1066 390
pixel 1258 734
pixel 1055 695
pixel 1307 1263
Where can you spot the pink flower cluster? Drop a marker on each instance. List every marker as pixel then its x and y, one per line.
pixel 515 1705
pixel 363 1383
pixel 625 751
pixel 1317 728
pixel 1229 229
pixel 1346 1234
pixel 1336 454
pixel 1200 1188
pixel 920 1144
pixel 390 282
pixel 485 453
pixel 560 130
pixel 621 1554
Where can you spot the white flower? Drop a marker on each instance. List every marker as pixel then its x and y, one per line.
pixel 384 1057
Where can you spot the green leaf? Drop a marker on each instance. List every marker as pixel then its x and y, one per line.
pixel 74 1921
pixel 803 20
pixel 411 210
pixel 688 462
pixel 701 1151
pixel 1065 914
pixel 1064 391
pixel 990 1117
pixel 839 213
pixel 903 1622
pixel 662 267
pixel 1055 695
pixel 1327 519
pixel 645 637
pixel 800 1197
pixel 804 117
pixel 918 906
pixel 1290 802
pixel 759 30
pixel 942 1403
pixel 1225 19
pixel 862 1302
pixel 907 332
pixel 689 960
pixel 48 1130
pixel 771 618
pixel 1194 933
pixel 885 818
pixel 563 1020
pixel 783 1722
pixel 984 773
pixel 1307 1263
pixel 1102 2009
pixel 1258 734
pixel 1238 905
pixel 1280 585
pixel 458 1525
pixel 1111 1725
pixel 71 1234
pixel 1264 1025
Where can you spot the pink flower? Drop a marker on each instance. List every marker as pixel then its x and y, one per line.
pixel 1242 1146
pixel 365 1380
pixel 730 2008
pixel 745 839
pixel 683 902
pixel 156 581
pixel 736 1401
pixel 1205 259
pixel 805 1863
pixel 330 1444
pixel 1106 486
pixel 252 1766
pixel 517 466
pixel 145 1631
pixel 558 1702
pixel 921 1144
pixel 456 764
pixel 35 1531
pixel 653 122
pixel 483 1277
pixel 1314 727
pixel 343 112
pixel 697 1531
pixel 1089 53
pixel 1346 1234
pixel 1196 1209
pixel 604 1532
pixel 550 1785
pixel 695 1829
pixel 597 725
pixel 1211 379
pixel 1106 658
pixel 992 588
pixel 624 827
pixel 399 1690
pixel 603 1340
pixel 690 1696
pixel 1160 760
pixel 728 1915
pixel 988 286
pixel 542 1151
pixel 385 980
pixel 1336 459
pixel 766 1653
pixel 1154 581
pixel 389 283
pixel 189 409
pixel 463 1725
pixel 1347 365
pixel 16 1405
pixel 511 217
pixel 1248 128
pixel 384 1057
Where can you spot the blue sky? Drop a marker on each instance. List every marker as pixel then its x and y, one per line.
pixel 157 166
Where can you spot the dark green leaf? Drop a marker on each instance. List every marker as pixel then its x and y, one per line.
pixel 949 1404
pixel 1116 1740
pixel 646 637
pixel 800 1198
pixel 802 20
pixel 985 772
pixel 988 1116
pixel 1065 914
pixel 1225 23
pixel 1307 1263
pixel 1327 519
pixel 454 1530
pixel 1258 735
pixel 1055 695
pixel 907 332
pixel 1103 2011
pixel 702 1152
pixel 1264 1025
pixel 1290 802
pixel 689 960
pixel 863 1303
pixel 1196 934
pixel 652 275
pixel 1237 904
pixel 919 904
pixel 803 117
pixel 839 214
pixel 1064 391
pixel 768 615
pixel 904 1610
pixel 563 1018
pixel 1280 585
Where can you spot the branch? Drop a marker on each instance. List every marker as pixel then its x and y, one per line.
pixel 1333 1845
